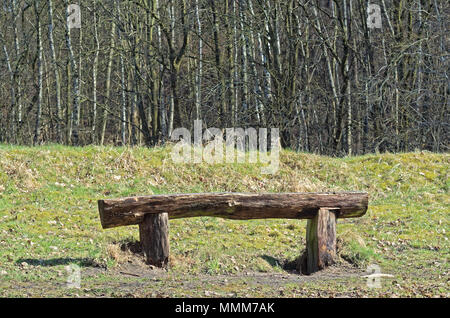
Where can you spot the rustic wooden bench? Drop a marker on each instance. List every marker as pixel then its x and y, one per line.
pixel 153 212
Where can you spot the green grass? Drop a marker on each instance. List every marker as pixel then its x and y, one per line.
pixel 49 219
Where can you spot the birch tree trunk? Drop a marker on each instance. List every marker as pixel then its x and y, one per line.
pixel 161 95
pixel 112 47
pixel 235 104
pixel 199 73
pixel 55 71
pixel 17 49
pixel 75 83
pixel 10 123
pixel 37 127
pixel 94 76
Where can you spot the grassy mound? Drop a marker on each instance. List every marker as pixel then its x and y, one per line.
pixel 49 219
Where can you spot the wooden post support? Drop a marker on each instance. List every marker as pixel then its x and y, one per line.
pixel 321 240
pixel 154 236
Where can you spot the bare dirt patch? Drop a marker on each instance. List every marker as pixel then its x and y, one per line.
pixel 130 263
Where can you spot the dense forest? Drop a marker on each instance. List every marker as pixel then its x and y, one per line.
pixel 337 77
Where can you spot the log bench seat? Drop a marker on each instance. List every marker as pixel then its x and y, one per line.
pixel 152 214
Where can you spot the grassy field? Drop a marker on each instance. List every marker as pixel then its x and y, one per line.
pixel 49 220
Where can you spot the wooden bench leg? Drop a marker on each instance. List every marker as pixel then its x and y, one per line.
pixel 321 240
pixel 154 236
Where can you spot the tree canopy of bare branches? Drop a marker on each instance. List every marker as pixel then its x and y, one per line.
pixel 317 70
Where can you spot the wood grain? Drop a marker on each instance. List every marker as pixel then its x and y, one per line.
pixel 238 206
pixel 321 240
pixel 154 237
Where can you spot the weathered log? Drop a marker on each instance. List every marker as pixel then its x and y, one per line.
pixel 238 206
pixel 154 236
pixel 321 240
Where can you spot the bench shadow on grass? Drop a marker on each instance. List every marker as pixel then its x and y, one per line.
pixel 125 245
pixel 82 262
pixel 286 265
